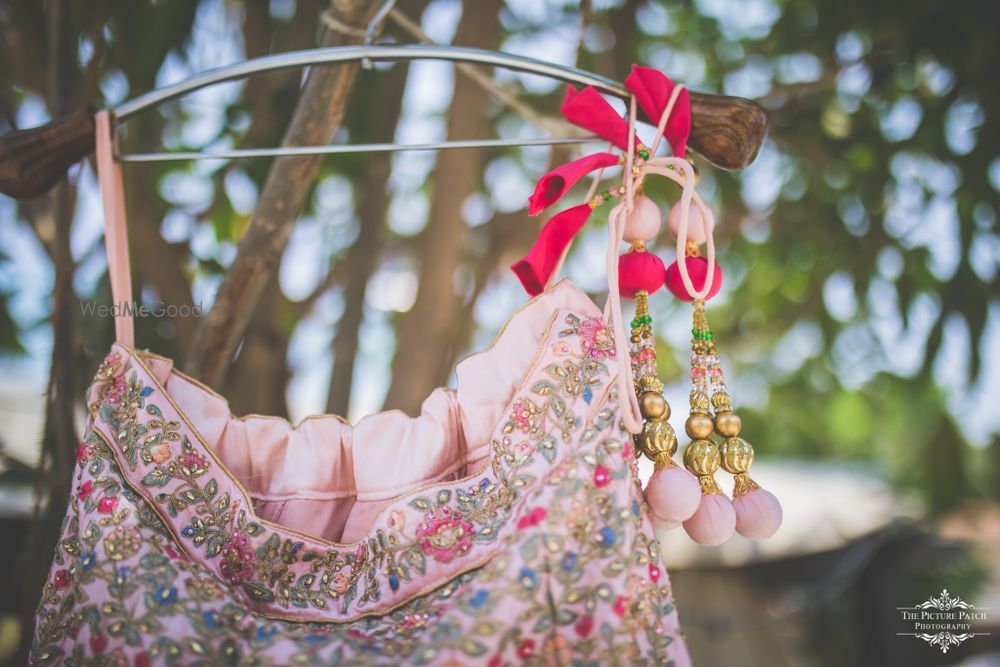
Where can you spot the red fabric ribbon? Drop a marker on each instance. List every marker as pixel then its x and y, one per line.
pixel 589 110
pixel 553 185
pixel 535 268
pixel 652 90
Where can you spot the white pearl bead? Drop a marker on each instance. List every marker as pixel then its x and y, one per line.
pixel 643 223
pixel 695 230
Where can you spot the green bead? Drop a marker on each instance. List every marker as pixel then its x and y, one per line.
pixel 644 154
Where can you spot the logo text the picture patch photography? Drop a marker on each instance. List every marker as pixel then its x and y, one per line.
pixel 944 621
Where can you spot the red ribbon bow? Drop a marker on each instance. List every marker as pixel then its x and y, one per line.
pixel 589 110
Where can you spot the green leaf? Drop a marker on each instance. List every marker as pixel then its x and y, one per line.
pixel 415 557
pixel 421 503
pixel 214 545
pixel 257 592
pixel 156 478
pixel 472 647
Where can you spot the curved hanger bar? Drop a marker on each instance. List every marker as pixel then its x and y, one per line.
pixel 344 149
pixel 726 131
pixel 348 54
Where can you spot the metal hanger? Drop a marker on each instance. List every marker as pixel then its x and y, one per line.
pixel 348 54
pixel 727 131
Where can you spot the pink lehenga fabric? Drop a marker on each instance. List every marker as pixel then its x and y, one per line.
pixel 504 525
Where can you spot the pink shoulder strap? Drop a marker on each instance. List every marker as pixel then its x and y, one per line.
pixel 109 177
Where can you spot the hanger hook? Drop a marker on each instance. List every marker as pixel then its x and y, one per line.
pixel 377 18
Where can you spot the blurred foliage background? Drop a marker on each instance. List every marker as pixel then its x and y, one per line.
pixel 860 316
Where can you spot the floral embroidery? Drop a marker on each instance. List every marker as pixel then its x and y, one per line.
pixel 602 476
pixel 160 553
pixel 443 535
pixel 237 558
pixel 122 542
pixel 596 338
pixel 525 415
pixel 532 518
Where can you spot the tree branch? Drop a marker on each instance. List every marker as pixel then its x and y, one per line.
pixel 317 115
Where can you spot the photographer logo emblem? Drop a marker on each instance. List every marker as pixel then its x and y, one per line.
pixel 943 621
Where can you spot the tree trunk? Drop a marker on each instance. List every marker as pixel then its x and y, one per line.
pixel 60 437
pixel 317 116
pixel 373 203
pixel 257 381
pixel 425 333
pixel 258 378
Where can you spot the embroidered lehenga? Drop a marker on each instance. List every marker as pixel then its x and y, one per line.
pixel 503 525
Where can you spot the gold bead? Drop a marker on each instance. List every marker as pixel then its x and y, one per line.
pixel 727 424
pixel 721 402
pixel 698 426
pixel 702 457
pixel 657 438
pixel 699 401
pixel 737 455
pixel 654 406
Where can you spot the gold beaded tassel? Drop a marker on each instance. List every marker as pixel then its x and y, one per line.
pixel 657 440
pixel 736 453
pixel 703 456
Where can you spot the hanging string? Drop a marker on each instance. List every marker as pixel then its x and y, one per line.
pixel 631 414
pixel 681 172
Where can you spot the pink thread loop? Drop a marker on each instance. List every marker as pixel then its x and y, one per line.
pixel 109 177
pixel 631 414
pixel 680 171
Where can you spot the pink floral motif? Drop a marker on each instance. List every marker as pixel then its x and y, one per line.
pixel 116 389
pixel 596 339
pixel 84 451
pixel 523 415
pixel 526 649
pixel 193 461
pixel 532 518
pixel 61 580
pixel 340 583
pixel 444 535
pixel 173 554
pixel 397 519
pixel 86 489
pixel 602 476
pixel 160 453
pixel 98 643
pixel 237 558
pixel 620 606
pixel 107 504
